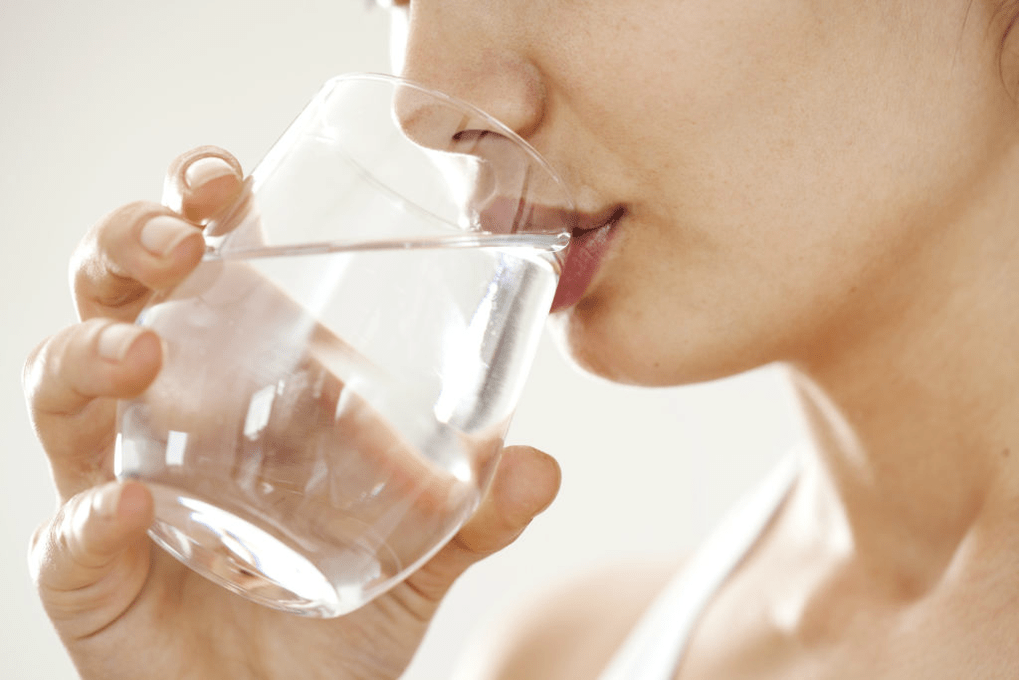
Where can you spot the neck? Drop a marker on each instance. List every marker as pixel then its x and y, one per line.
pixel 912 470
pixel 914 413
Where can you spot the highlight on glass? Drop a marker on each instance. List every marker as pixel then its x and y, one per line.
pixel 341 368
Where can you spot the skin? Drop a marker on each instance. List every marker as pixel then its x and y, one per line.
pixel 824 184
pixel 827 185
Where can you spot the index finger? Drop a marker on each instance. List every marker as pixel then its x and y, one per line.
pixel 134 250
pixel 201 183
pixel 145 246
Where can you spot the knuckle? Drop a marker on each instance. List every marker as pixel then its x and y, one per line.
pixel 112 291
pixel 49 369
pixel 116 235
pixel 63 525
pixel 63 536
pixel 37 369
pixel 55 543
pixel 108 265
pixel 31 368
pixel 93 253
pixel 43 546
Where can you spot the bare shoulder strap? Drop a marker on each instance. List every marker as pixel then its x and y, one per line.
pixel 656 645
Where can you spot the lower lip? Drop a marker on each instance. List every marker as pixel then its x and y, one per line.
pixel 583 256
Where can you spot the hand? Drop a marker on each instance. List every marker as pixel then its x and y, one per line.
pixel 126 609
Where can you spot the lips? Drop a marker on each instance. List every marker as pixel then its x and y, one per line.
pixel 584 255
pixel 591 235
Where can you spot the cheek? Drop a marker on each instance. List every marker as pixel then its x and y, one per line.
pixel 732 284
pixel 776 178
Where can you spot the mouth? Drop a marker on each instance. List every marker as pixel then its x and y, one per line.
pixel 589 243
pixel 590 237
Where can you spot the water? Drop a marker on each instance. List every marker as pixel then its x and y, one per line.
pixel 329 415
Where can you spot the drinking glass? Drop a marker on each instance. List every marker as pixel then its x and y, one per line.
pixel 341 368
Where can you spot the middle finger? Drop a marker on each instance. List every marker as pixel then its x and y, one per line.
pixel 71 383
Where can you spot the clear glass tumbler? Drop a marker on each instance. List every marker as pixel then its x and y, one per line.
pixel 340 370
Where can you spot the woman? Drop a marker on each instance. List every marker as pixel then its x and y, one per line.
pixel 827 184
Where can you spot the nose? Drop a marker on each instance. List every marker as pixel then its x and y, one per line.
pixel 468 52
pixel 476 52
pixel 496 183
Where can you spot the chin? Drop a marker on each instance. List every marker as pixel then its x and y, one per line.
pixel 633 348
pixel 608 349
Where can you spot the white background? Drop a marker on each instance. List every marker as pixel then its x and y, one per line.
pixel 97 97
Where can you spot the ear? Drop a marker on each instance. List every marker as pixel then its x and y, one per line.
pixel 1006 25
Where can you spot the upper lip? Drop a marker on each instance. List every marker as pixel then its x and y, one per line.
pixel 503 215
pixel 586 221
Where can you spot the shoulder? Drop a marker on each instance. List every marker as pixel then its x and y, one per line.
pixel 572 630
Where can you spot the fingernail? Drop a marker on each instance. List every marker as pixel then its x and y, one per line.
pixel 115 340
pixel 106 500
pixel 205 170
pixel 161 234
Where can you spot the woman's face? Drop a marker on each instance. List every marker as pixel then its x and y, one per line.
pixel 776 166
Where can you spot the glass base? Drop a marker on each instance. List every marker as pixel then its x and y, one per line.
pixel 244 558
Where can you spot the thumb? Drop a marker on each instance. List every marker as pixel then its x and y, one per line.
pixel 90 561
pixel 526 482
